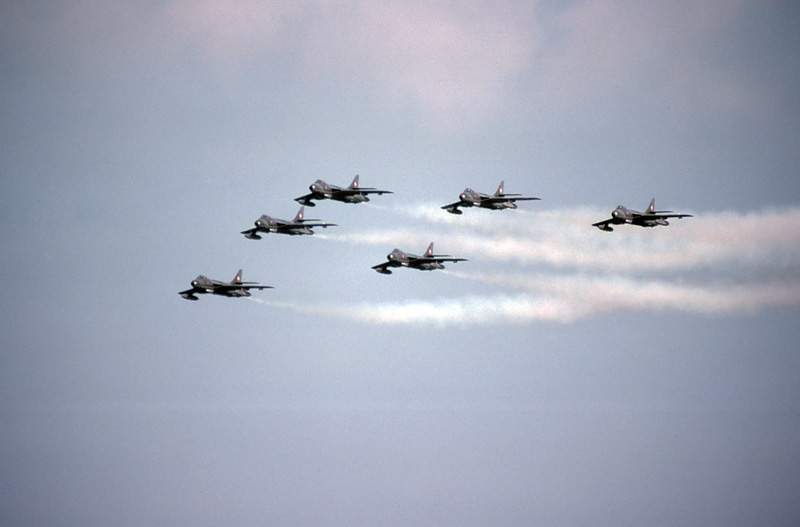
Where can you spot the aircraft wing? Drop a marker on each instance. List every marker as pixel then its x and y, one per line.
pixel 508 197
pixel 243 285
pixel 189 294
pixel 443 258
pixel 309 224
pixel 354 191
pixel 667 215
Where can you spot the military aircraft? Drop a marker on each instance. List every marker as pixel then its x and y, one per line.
pixel 202 285
pixel 352 194
pixel 428 262
pixel 650 218
pixel 299 225
pixel 499 200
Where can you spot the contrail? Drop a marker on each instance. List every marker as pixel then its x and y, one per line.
pixel 559 299
pixel 565 238
pixel 557 268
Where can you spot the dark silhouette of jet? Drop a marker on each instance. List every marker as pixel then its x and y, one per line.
pixel 428 262
pixel 202 285
pixel 497 201
pixel 352 194
pixel 299 225
pixel 650 218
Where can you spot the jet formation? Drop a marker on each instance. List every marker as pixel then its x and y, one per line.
pixel 650 218
pixel 429 261
pixel 236 288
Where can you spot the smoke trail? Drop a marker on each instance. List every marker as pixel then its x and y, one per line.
pixel 753 258
pixel 565 239
pixel 560 299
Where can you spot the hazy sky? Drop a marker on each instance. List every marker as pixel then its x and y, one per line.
pixel 561 376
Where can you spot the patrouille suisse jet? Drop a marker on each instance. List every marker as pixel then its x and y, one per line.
pixel 428 262
pixel 202 285
pixel 498 201
pixel 299 225
pixel 352 194
pixel 650 218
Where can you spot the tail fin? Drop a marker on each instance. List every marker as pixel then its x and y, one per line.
pixel 299 217
pixel 238 278
pixel 354 184
pixel 500 189
pixel 429 252
pixel 652 208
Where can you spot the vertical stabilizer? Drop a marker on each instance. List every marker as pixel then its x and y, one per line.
pixel 651 209
pixel 429 252
pixel 238 278
pixel 354 184
pixel 500 189
pixel 299 217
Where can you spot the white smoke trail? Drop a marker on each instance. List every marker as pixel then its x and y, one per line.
pixel 560 299
pixel 565 238
pixel 602 273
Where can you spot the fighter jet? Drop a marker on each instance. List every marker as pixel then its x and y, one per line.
pixel 651 218
pixel 299 225
pixel 352 194
pixel 202 285
pixel 429 262
pixel 499 200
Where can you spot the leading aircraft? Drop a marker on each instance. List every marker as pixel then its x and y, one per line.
pixel 299 225
pixel 650 218
pixel 428 262
pixel 352 194
pixel 202 285
pixel 499 200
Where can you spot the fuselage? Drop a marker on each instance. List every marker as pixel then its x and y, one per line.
pixel 471 198
pixel 268 224
pixel 203 285
pixel 622 215
pixel 398 258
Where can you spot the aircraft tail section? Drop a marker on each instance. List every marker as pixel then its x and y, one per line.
pixel 500 191
pixel 299 217
pixel 652 208
pixel 429 252
pixel 354 184
pixel 238 278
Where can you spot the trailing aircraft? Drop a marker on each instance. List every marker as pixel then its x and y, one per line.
pixel 649 218
pixel 202 285
pixel 299 225
pixel 352 194
pixel 497 201
pixel 428 262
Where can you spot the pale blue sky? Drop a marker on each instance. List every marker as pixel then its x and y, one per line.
pixel 561 376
